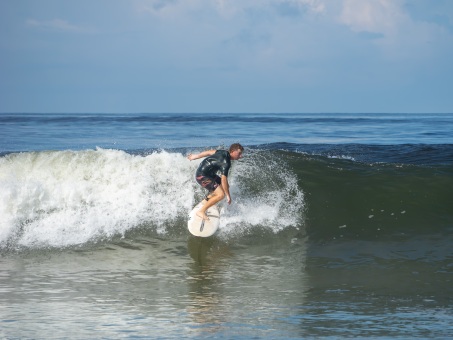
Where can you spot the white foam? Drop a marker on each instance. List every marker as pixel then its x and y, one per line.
pixel 65 198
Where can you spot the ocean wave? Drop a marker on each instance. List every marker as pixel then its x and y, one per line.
pixel 67 198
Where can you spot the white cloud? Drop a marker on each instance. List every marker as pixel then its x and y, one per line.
pixel 316 6
pixel 377 16
pixel 393 30
pixel 280 31
pixel 231 8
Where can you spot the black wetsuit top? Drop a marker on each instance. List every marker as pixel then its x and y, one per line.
pixel 220 161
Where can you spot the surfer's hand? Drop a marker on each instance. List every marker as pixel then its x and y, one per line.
pixel 228 199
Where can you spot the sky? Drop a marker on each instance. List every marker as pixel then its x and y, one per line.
pixel 231 56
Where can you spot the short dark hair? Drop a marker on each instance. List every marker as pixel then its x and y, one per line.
pixel 236 146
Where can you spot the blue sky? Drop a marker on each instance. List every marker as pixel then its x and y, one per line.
pixel 226 56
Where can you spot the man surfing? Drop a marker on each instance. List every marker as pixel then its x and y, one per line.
pixel 207 177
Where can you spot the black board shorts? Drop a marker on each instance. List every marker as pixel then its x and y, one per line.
pixel 209 183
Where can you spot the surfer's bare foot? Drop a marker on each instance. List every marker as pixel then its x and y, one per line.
pixel 202 215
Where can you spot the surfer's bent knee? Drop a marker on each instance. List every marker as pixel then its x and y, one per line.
pixel 219 193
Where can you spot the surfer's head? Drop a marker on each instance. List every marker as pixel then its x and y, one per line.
pixel 236 151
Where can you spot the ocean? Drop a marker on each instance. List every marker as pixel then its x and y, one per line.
pixel 341 226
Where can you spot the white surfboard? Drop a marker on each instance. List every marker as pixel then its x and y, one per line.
pixel 204 228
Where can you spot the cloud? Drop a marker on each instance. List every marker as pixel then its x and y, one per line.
pixel 161 4
pixel 393 26
pixel 58 25
pixel 379 16
pixel 439 13
pixel 228 8
pixel 158 6
pixel 370 35
pixel 295 29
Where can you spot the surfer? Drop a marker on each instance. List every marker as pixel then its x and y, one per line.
pixel 206 175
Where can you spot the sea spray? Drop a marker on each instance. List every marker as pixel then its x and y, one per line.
pixel 266 193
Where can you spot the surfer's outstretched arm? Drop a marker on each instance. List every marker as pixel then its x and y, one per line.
pixel 207 153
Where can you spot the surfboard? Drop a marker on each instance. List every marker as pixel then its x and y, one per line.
pixel 204 228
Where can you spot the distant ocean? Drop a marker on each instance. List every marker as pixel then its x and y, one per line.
pixel 341 226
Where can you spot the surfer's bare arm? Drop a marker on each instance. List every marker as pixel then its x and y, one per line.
pixel 226 188
pixel 201 154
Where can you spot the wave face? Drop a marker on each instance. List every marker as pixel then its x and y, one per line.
pixel 350 198
pixel 67 198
